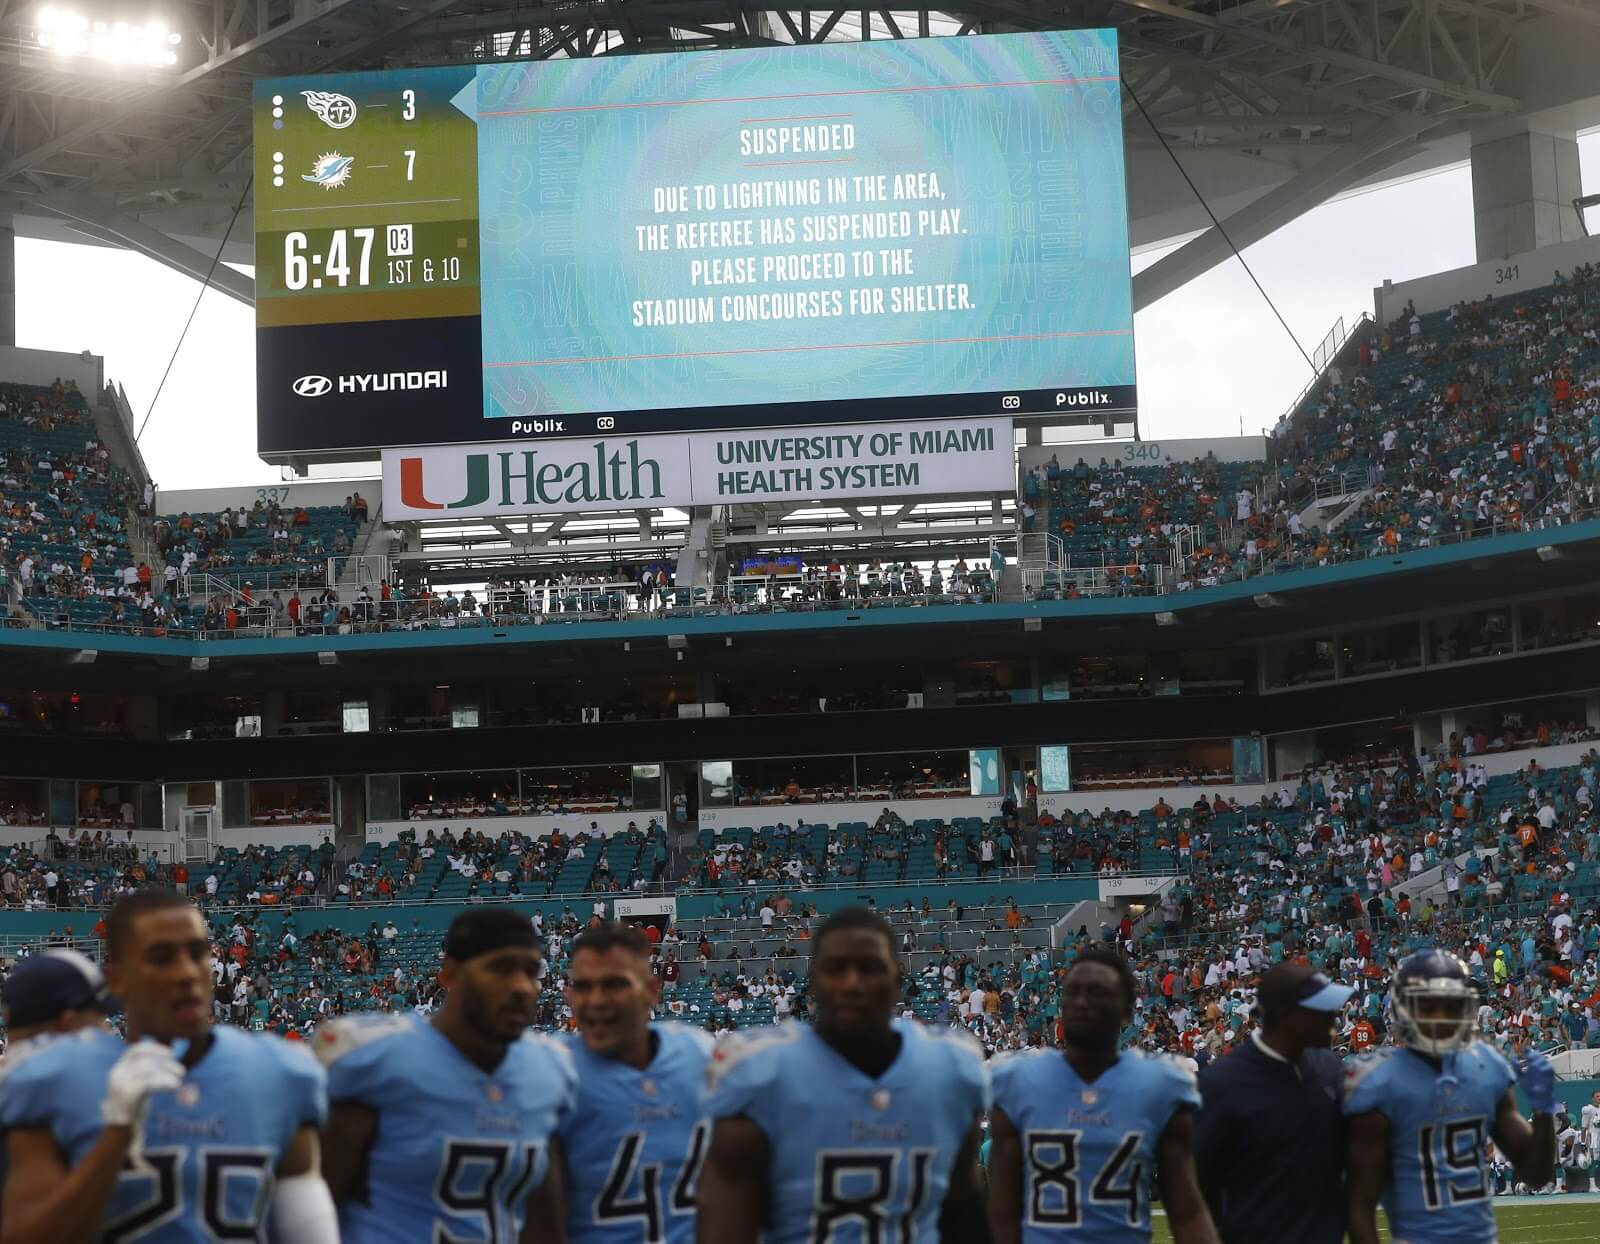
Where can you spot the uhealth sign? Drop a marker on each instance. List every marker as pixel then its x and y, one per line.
pixel 849 462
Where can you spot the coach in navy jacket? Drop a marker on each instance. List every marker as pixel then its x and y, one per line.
pixel 1269 1139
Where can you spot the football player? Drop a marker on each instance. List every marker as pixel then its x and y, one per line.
pixel 862 1128
pixel 440 1128
pixel 1421 1115
pixel 632 1149
pixel 1589 1121
pixel 1079 1132
pixel 186 1132
pixel 49 995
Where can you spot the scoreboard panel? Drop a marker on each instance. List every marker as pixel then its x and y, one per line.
pixel 754 238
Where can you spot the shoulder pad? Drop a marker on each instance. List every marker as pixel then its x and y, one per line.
pixel 557 1046
pixel 1008 1058
pixel 740 1047
pixel 956 1039
pixel 20 1053
pixel 1363 1065
pixel 1176 1066
pixel 339 1037
pixel 702 1041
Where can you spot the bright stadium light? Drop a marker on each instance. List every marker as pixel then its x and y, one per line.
pixel 71 35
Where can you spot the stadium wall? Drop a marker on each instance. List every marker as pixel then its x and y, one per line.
pixel 286 496
pixel 436 917
pixel 273 836
pixel 1147 453
pixel 608 823
pixel 45 367
pixel 764 817
pixel 1515 274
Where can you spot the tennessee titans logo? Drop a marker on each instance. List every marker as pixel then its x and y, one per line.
pixel 336 111
pixel 330 171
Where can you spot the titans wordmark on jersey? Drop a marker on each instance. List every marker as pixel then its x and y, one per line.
pixel 211 1147
pixel 856 1159
pixel 457 1149
pixel 636 1141
pixel 1089 1150
pixel 1439 1189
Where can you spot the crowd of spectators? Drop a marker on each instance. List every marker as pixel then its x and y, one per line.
pixel 63 505
pixel 1479 419
pixel 836 582
pixel 275 545
pixel 1346 869
pixel 535 801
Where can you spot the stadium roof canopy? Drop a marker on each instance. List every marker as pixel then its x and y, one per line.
pixel 1272 106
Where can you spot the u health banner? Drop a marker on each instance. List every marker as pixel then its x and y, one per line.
pixel 851 462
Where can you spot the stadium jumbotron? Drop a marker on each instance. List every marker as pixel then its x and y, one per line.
pixel 742 564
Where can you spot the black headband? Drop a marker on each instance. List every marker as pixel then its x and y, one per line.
pixel 477 933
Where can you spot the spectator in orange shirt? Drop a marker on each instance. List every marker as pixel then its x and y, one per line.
pixel 1362 1036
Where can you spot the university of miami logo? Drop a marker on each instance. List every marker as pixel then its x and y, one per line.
pixel 600 472
pixel 413 497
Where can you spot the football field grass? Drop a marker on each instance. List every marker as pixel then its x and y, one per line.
pixel 1523 1220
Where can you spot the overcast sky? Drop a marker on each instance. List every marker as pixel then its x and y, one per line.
pixel 1211 357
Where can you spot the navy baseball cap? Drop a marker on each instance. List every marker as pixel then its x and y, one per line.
pixel 42 986
pixel 1289 984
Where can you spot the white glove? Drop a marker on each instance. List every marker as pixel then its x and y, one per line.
pixel 148 1067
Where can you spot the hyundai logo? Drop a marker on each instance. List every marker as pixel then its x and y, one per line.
pixel 312 386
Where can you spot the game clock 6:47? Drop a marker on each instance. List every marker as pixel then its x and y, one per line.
pixel 342 258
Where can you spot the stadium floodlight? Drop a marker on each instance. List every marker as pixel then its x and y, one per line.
pixel 70 35
pixel 1548 553
pixel 1166 618
pixel 325 657
pixel 1266 600
pixel 199 665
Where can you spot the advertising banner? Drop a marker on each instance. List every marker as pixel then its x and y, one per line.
pixel 852 462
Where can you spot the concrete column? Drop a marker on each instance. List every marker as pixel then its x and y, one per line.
pixel 1292 752
pixel 8 282
pixel 1591 710
pixel 1523 185
pixel 1426 732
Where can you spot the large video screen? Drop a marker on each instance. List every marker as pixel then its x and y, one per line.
pixel 769 237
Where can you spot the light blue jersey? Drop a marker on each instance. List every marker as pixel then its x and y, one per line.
pixel 457 1149
pixel 1089 1150
pixel 855 1160
pixel 1439 1189
pixel 211 1147
pixel 636 1141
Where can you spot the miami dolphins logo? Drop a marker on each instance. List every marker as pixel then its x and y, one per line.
pixel 330 171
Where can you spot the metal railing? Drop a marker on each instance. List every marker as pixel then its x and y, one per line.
pixel 1330 348
pixel 1376 549
pixel 1337 487
pixel 610 602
